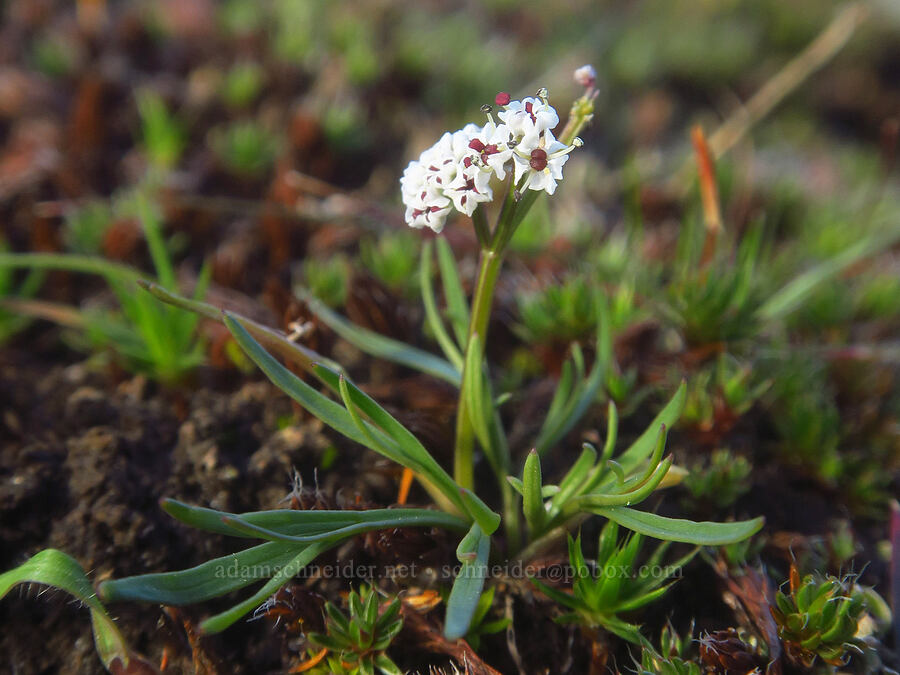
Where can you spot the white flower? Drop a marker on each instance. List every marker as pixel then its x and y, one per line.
pixel 456 171
pixel 424 184
pixel 527 120
pixel 489 148
pixel 543 165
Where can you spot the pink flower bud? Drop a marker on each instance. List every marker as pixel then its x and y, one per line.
pixel 586 76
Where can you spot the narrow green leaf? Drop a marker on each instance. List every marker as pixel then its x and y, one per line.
pixel 336 416
pixel 575 477
pixel 324 408
pixel 792 295
pixel 417 457
pixel 466 590
pixel 583 393
pixel 386 666
pixel 593 500
pixel 54 568
pixel 377 345
pixel 457 306
pixel 676 529
pixel 156 244
pixel 487 520
pixel 223 620
pixel 421 519
pixel 432 315
pixel 565 599
pixel 205 581
pixel 561 396
pixel 293 522
pixel 532 501
pixel 478 400
pixel 645 444
pixel 73 263
pixel 467 549
pixel 273 340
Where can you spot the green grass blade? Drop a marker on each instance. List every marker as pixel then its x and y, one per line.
pixel 152 229
pixel 69 262
pixel 677 529
pixel 796 291
pixel 467 588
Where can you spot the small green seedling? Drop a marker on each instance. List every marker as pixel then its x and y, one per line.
pixel 12 294
pixel 242 84
pixel 720 480
pixel 671 659
pixel 392 260
pixel 356 645
pixel 559 312
pixel 818 618
pixel 86 227
pixel 145 336
pixel 244 148
pixel 163 136
pixel 328 279
pixel 616 584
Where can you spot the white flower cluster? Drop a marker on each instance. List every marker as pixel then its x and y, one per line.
pixel 456 171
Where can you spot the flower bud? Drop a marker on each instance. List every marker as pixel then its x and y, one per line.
pixel 586 76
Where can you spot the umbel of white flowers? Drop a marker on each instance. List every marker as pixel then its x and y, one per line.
pixel 456 171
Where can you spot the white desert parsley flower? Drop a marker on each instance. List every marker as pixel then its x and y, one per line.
pixel 456 171
pixel 543 165
pixel 423 185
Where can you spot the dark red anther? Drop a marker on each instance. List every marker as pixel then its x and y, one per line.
pixel 467 162
pixel 476 145
pixel 502 98
pixel 529 107
pixel 538 160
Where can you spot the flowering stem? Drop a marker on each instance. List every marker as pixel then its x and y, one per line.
pixel 481 312
pixel 482 230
